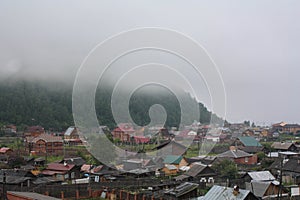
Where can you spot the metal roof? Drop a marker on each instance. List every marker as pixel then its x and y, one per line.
pixel 69 130
pixel 250 141
pixel 171 159
pixel 32 195
pixel 261 176
pixel 220 192
pixel 234 154
pixel 258 188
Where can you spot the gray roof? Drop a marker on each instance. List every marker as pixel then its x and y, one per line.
pixel 196 169
pixel 182 189
pixel 234 154
pixel 261 176
pixel 32 195
pixel 258 188
pixel 220 192
pixel 282 145
pixel 69 130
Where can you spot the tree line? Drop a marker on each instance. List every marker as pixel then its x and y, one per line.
pixel 49 104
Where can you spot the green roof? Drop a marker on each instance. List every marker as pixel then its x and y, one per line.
pixel 171 159
pixel 250 142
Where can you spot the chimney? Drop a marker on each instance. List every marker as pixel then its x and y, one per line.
pixel 232 148
pixel 236 190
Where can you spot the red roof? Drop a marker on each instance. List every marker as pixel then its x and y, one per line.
pixel 51 172
pixel 59 167
pixel 35 129
pixel 4 149
pixel 45 137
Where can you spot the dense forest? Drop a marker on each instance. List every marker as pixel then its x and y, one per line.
pixel 49 104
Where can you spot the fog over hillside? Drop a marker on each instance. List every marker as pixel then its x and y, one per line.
pixel 256 52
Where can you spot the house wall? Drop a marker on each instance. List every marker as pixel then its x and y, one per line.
pixel 182 163
pixel 272 190
pixel 124 137
pixel 169 172
pixel 41 147
pixel 246 160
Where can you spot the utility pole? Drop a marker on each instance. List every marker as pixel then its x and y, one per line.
pixel 279 194
pixel 3 186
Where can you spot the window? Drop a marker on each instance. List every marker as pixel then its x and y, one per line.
pixel 203 180
pixel 73 175
pixel 246 159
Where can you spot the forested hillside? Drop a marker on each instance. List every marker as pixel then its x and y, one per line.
pixel 49 104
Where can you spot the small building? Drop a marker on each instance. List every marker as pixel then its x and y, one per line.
pixel 259 176
pixel 284 146
pixel 6 151
pixel 264 190
pixel 198 172
pixel 284 127
pixel 185 190
pixel 169 170
pixel 239 157
pixel 62 171
pixel 178 161
pixel 34 131
pixel 170 148
pixel 290 169
pixel 123 132
pixel 221 192
pixel 248 144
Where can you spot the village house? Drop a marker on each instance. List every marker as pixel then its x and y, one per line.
pixel 173 163
pixel 265 190
pixel 34 131
pixel 248 144
pixel 185 190
pixel 123 132
pixel 220 192
pixel 239 157
pixel 170 148
pixel 44 144
pixel 284 146
pixel 290 169
pixel 6 151
pixel 198 172
pixel 262 183
pixel 16 178
pixel 10 130
pixel 62 171
pixel 284 127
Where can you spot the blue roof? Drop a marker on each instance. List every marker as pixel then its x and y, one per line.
pixel 171 159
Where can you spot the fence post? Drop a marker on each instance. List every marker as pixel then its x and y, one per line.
pixel 62 195
pixel 77 194
pixel 90 192
pixel 120 196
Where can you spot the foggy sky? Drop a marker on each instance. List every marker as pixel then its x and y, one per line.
pixel 255 44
